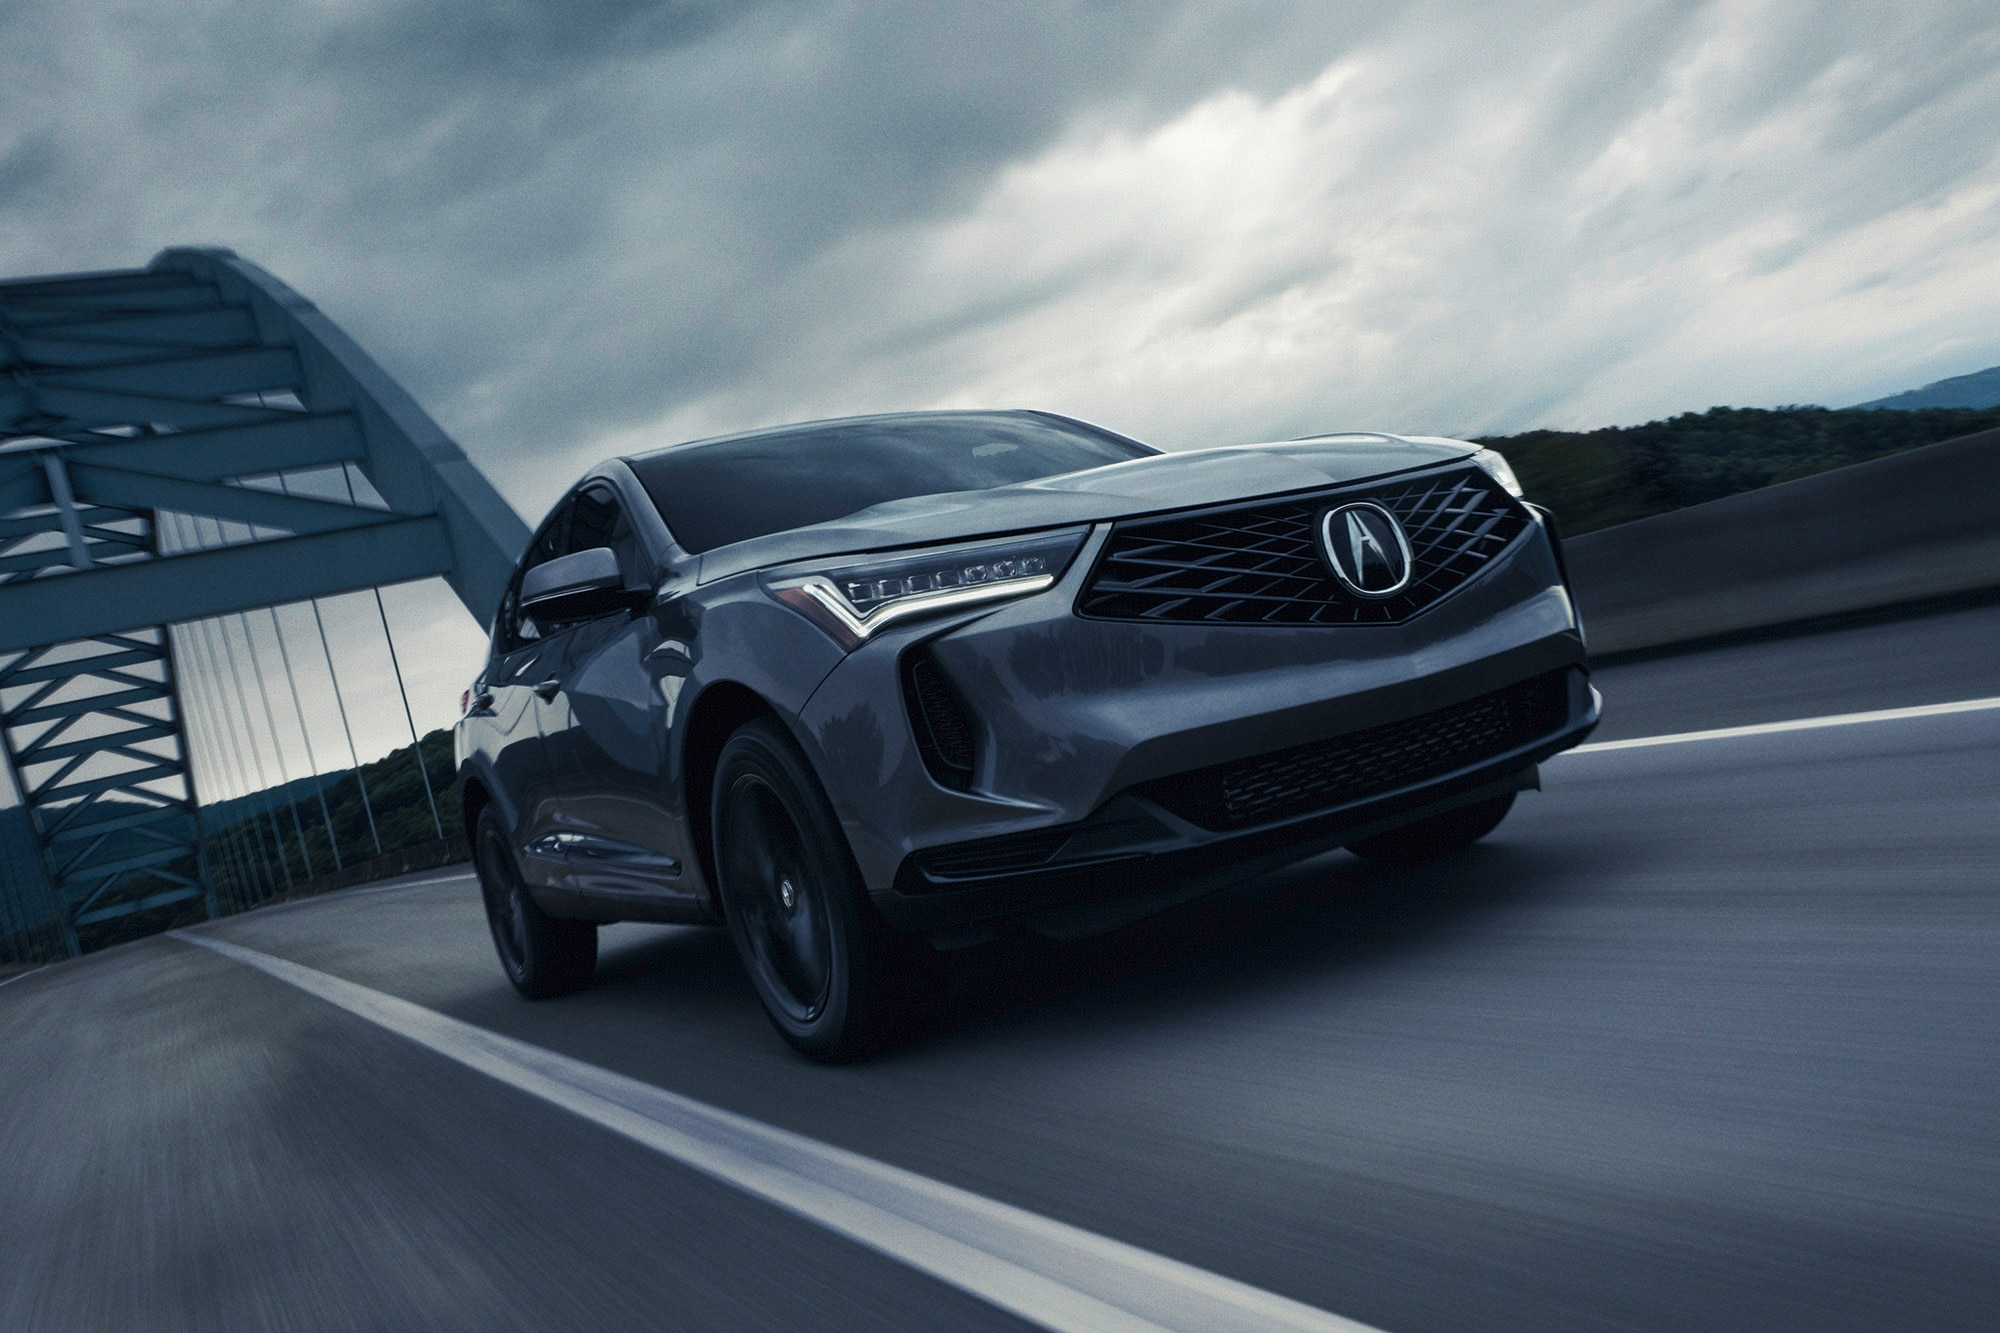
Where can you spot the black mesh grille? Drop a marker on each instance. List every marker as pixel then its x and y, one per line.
pixel 944 733
pixel 1260 564
pixel 995 856
pixel 1354 767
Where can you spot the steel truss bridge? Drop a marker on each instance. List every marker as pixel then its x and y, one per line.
pixel 185 448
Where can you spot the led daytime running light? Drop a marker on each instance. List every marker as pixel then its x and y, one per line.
pixel 853 602
pixel 866 594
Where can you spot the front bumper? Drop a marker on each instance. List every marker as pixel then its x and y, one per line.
pixel 1076 720
pixel 1136 855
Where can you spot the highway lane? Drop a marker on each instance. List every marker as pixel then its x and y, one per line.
pixel 1705 1037
pixel 1885 664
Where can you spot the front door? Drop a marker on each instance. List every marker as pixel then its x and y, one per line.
pixel 517 687
pixel 608 758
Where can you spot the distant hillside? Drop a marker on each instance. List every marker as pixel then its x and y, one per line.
pixel 1980 391
pixel 1594 479
pixel 264 820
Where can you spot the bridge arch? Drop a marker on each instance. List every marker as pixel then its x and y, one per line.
pixel 153 424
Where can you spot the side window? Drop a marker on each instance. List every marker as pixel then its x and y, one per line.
pixel 588 519
pixel 553 539
pixel 601 521
pixel 511 629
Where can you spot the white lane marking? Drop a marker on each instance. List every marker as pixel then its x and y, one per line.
pixel 18 975
pixel 1047 1272
pixel 1799 724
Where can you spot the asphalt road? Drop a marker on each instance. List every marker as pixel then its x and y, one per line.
pixel 1706 1036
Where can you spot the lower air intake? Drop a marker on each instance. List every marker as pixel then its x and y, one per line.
pixel 1325 774
pixel 995 856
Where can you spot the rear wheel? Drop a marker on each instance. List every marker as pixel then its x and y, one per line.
pixel 1440 835
pixel 835 981
pixel 542 955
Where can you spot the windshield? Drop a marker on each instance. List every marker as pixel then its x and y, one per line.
pixel 716 492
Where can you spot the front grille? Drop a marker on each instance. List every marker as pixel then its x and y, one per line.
pixel 1260 564
pixel 1325 774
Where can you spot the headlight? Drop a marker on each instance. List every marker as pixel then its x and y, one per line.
pixel 1494 466
pixel 853 599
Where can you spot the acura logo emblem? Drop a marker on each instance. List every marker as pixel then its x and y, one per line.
pixel 1365 547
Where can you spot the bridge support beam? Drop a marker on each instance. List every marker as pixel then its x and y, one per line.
pixel 199 389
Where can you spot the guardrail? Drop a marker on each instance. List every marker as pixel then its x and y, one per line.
pixel 1911 527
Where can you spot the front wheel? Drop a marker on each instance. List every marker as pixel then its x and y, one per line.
pixel 542 955
pixel 833 978
pixel 1440 835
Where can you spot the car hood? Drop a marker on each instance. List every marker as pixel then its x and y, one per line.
pixel 1118 490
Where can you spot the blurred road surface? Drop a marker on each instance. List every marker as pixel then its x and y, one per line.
pixel 1706 1036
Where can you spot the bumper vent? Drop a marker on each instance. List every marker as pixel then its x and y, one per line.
pixel 944 732
pixel 995 856
pixel 1260 564
pixel 1363 764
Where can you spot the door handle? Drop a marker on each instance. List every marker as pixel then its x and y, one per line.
pixel 548 688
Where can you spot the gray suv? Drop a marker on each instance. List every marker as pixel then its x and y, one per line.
pixel 867 689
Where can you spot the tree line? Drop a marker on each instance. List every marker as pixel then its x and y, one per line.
pixel 1595 479
pixel 289 821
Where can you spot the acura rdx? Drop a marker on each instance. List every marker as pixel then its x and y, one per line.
pixel 864 690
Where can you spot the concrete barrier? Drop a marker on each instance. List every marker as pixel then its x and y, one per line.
pixel 1911 527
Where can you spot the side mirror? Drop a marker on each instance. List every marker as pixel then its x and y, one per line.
pixel 579 586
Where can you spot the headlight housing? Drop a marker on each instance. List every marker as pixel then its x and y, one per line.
pixel 858 595
pixel 1495 466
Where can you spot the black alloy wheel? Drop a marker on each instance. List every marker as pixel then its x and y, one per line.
pixel 543 956
pixel 1439 835
pixel 778 901
pixel 834 980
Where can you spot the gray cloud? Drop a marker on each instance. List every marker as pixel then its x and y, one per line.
pixel 582 226
pixel 553 217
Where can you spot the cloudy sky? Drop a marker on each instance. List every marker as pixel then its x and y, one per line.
pixel 581 228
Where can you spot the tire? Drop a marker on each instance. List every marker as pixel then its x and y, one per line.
pixel 834 980
pixel 1440 835
pixel 544 956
